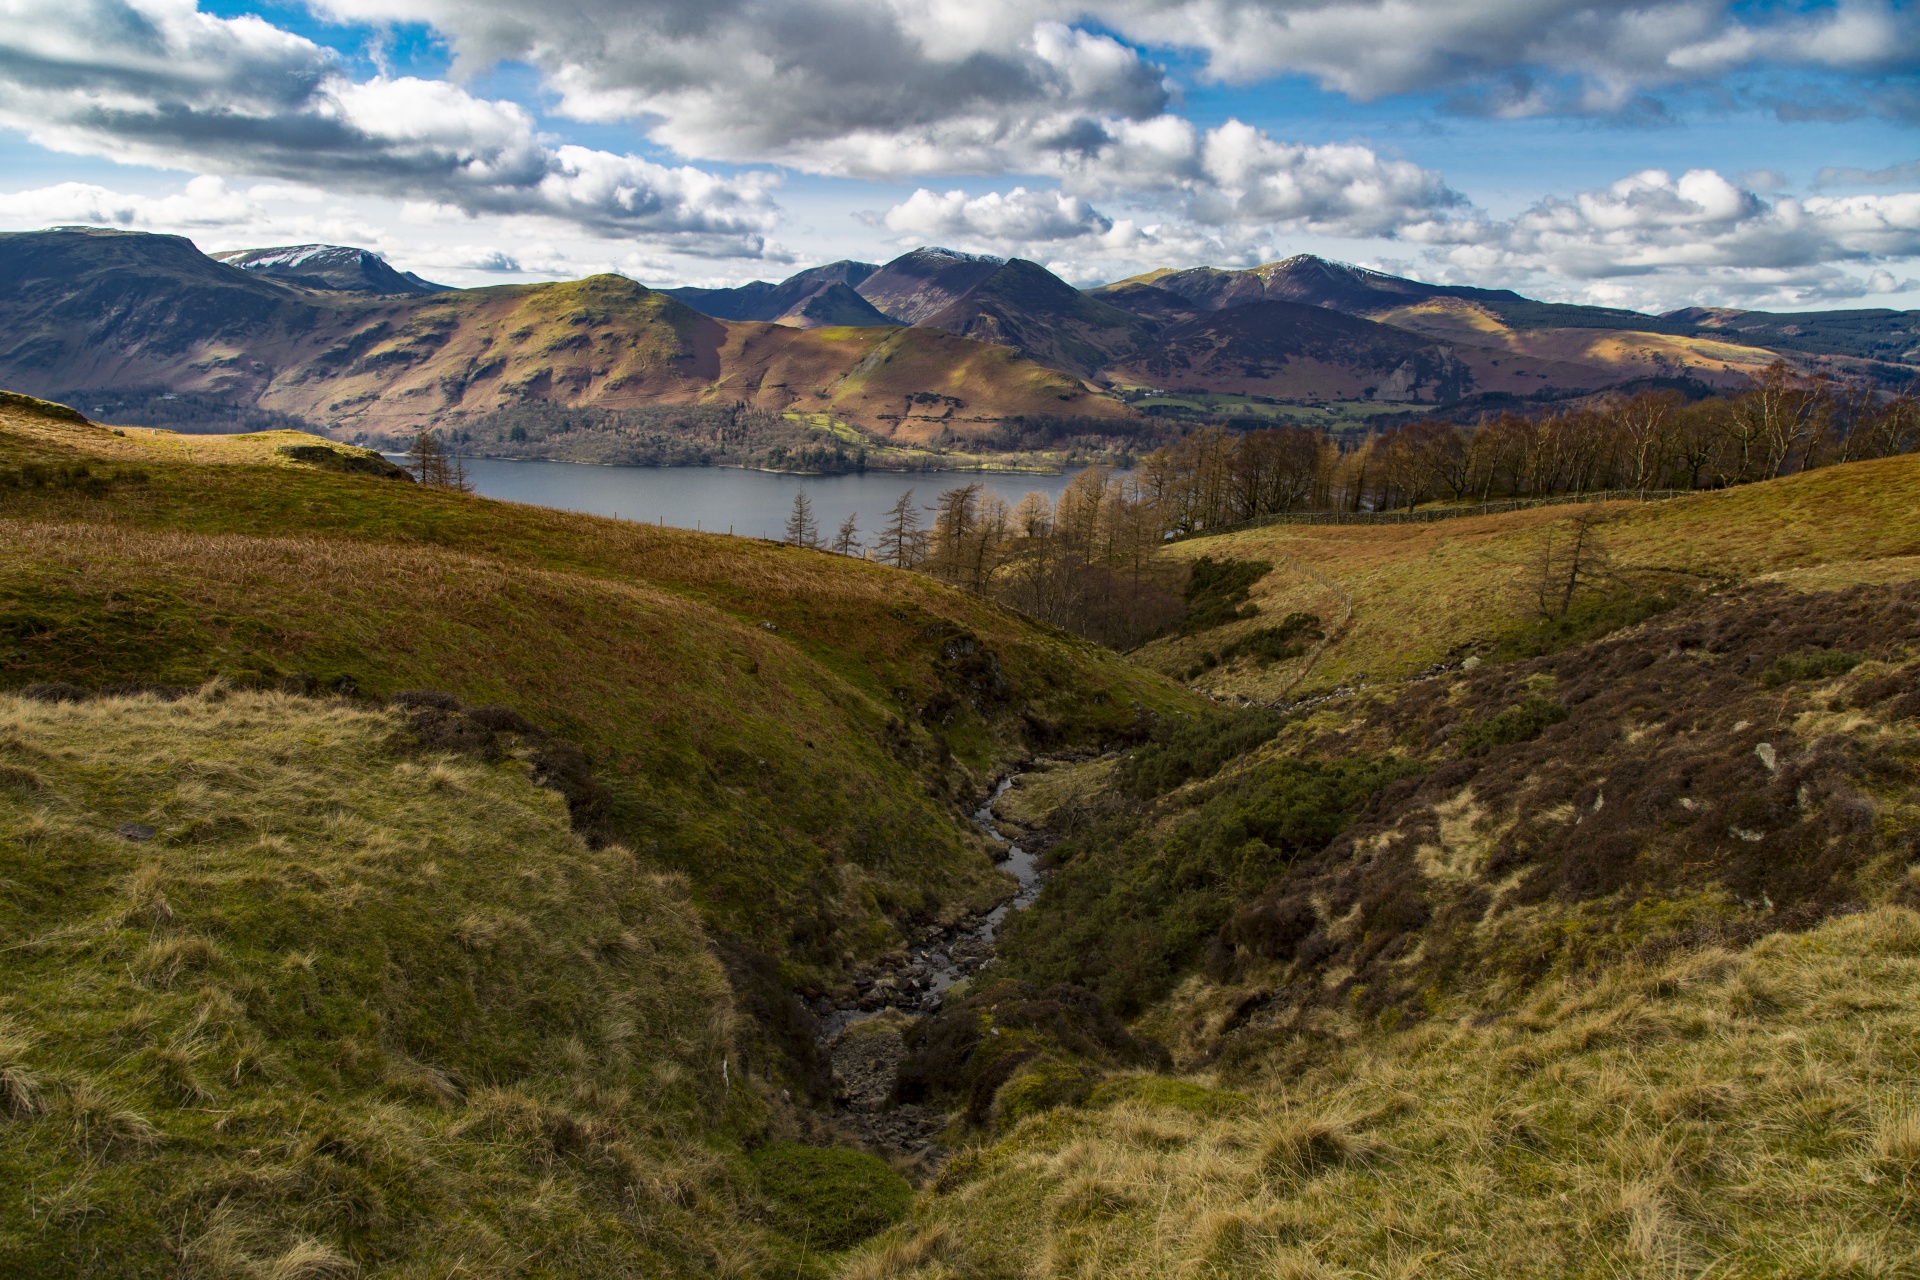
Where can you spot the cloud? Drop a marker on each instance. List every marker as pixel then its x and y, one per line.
pixel 1593 55
pixel 1019 216
pixel 157 82
pixel 206 202
pixel 891 87
pixel 1232 179
pixel 1840 177
pixel 1697 235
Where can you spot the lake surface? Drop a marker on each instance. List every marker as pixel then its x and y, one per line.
pixel 723 499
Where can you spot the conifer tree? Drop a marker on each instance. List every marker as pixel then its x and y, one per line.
pixel 802 529
pixel 847 541
pixel 902 542
pixel 432 463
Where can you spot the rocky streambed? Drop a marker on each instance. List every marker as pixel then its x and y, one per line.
pixel 864 1034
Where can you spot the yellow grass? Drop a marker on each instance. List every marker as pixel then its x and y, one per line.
pixel 1419 591
pixel 1722 1114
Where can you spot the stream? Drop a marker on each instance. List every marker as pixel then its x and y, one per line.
pixel 938 957
pixel 866 1060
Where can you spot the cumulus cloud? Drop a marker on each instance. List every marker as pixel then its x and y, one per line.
pixel 1018 216
pixel 1650 238
pixel 1230 178
pixel 854 86
pixel 1652 221
pixel 1695 235
pixel 158 82
pixel 206 202
pixel 1592 54
pixel 876 87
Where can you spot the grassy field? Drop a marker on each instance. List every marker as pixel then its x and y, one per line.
pixel 1721 1113
pixel 790 729
pixel 1396 598
pixel 340 1006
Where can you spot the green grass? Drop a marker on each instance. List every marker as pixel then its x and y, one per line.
pixel 782 726
pixel 829 1198
pixel 346 1007
pixel 1138 894
pixel 1820 665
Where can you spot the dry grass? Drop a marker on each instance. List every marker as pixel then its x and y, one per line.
pixel 1420 590
pixel 344 1011
pixel 1664 1125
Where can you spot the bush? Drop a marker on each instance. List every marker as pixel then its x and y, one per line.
pixel 1217 590
pixel 1521 723
pixel 1818 665
pixel 829 1197
pixel 1590 618
pixel 1276 644
pixel 1130 909
pixel 1194 749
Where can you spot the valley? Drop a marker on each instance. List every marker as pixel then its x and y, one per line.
pixel 401 881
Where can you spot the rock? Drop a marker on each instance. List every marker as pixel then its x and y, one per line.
pixel 136 831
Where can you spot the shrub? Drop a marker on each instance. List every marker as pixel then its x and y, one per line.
pixel 1521 723
pixel 1194 749
pixel 1818 665
pixel 1217 591
pixel 1589 618
pixel 1276 644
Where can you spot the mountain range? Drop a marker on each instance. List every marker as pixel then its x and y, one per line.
pixel 934 344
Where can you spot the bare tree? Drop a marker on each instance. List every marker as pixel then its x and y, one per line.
pixel 902 542
pixel 847 541
pixel 432 463
pixel 1572 559
pixel 802 529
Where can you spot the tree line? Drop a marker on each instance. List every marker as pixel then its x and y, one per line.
pixel 1086 561
pixel 1654 441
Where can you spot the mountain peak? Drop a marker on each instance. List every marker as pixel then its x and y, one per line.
pixel 936 252
pixel 334 268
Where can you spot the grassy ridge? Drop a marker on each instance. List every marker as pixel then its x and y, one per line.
pixel 341 1006
pixel 777 723
pixel 1404 596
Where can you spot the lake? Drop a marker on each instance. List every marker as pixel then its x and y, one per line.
pixel 723 499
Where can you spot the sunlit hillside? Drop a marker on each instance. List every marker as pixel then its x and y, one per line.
pixel 1396 598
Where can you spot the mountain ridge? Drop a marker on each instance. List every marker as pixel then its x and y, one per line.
pixel 98 311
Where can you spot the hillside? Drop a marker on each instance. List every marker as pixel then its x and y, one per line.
pixel 1513 344
pixel 1397 598
pixel 786 727
pixel 915 285
pixel 404 882
pixel 1295 351
pixel 722 771
pixel 1574 939
pixel 1872 334
pixel 292 1025
pixel 1006 302
pixel 760 300
pixel 1024 306
pixel 94 314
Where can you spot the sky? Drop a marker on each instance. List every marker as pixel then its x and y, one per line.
pixel 1653 155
